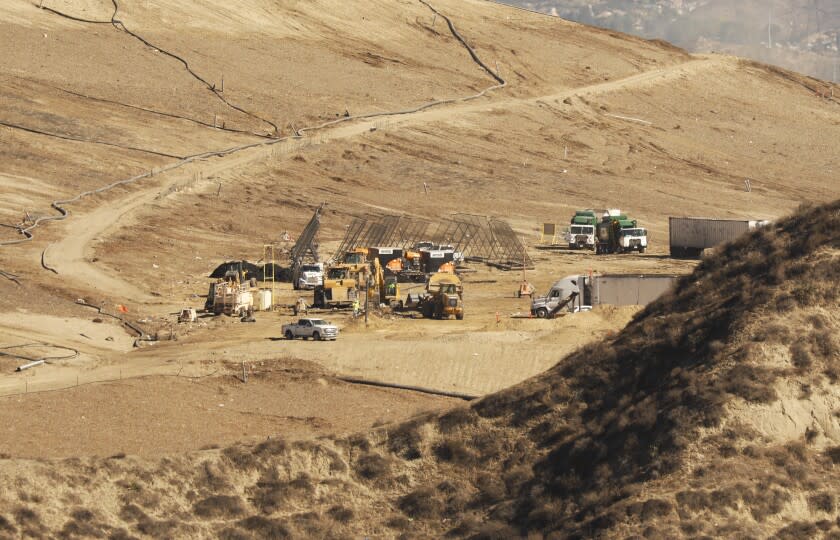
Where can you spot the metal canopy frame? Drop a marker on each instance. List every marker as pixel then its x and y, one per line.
pixel 306 244
pixel 510 249
pixel 351 238
pixel 480 238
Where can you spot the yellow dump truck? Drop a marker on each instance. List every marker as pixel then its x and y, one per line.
pixel 444 297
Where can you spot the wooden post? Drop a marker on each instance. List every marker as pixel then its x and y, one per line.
pixel 367 299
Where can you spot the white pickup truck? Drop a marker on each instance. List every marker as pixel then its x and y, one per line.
pixel 316 329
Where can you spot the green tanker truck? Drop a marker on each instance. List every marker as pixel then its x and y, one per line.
pixel 617 233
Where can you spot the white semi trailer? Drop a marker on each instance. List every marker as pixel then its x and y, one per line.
pixel 689 236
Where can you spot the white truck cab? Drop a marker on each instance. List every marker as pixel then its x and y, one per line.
pixel 311 276
pixel 581 236
pixel 559 291
pixel 633 239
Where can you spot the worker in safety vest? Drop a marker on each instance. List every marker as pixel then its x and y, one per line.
pixel 356 307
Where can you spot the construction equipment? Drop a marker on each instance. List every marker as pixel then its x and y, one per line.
pixel 690 236
pixel 581 233
pixel 386 290
pixel 340 288
pixel 232 293
pixel 444 297
pixel 343 280
pixel 305 250
pixel 187 315
pixel 617 233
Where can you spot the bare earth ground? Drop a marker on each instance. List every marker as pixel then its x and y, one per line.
pixel 588 119
pixel 160 415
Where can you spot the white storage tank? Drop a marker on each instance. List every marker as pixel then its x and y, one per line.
pixel 264 300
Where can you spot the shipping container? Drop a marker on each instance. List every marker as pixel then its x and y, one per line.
pixel 690 236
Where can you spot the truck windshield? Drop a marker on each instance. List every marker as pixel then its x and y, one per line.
pixel 337 273
pixel 634 232
pixel 318 322
pixel 354 258
pixel 587 229
pixel 309 268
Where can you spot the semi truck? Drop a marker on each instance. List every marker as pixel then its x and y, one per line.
pixel 617 233
pixel 581 232
pixel 689 236
pixel 308 276
pixel 598 289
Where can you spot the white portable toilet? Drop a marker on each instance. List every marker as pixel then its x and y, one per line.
pixel 264 300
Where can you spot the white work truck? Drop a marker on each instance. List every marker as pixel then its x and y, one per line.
pixel 317 329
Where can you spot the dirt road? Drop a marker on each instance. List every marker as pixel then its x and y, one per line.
pixel 70 256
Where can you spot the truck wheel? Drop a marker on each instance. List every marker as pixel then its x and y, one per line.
pixel 542 313
pixel 641 250
pixel 460 316
pixel 316 336
pixel 289 334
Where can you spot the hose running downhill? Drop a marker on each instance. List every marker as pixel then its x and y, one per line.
pixel 58 205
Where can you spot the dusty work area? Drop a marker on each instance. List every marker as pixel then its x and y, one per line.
pixel 159 415
pixel 143 144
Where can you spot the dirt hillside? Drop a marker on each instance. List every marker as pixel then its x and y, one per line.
pixel 721 420
pixel 142 143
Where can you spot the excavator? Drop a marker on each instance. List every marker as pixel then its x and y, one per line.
pixel 387 289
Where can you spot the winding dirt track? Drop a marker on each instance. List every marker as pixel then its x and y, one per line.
pixel 70 256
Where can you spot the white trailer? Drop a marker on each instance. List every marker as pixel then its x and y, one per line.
pixel 689 236
pixel 629 289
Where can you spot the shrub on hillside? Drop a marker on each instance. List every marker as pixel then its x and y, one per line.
pixel 455 451
pixel 263 527
pixel 821 502
pixel 219 506
pixel 373 466
pixel 457 419
pixel 422 503
pixel 341 514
